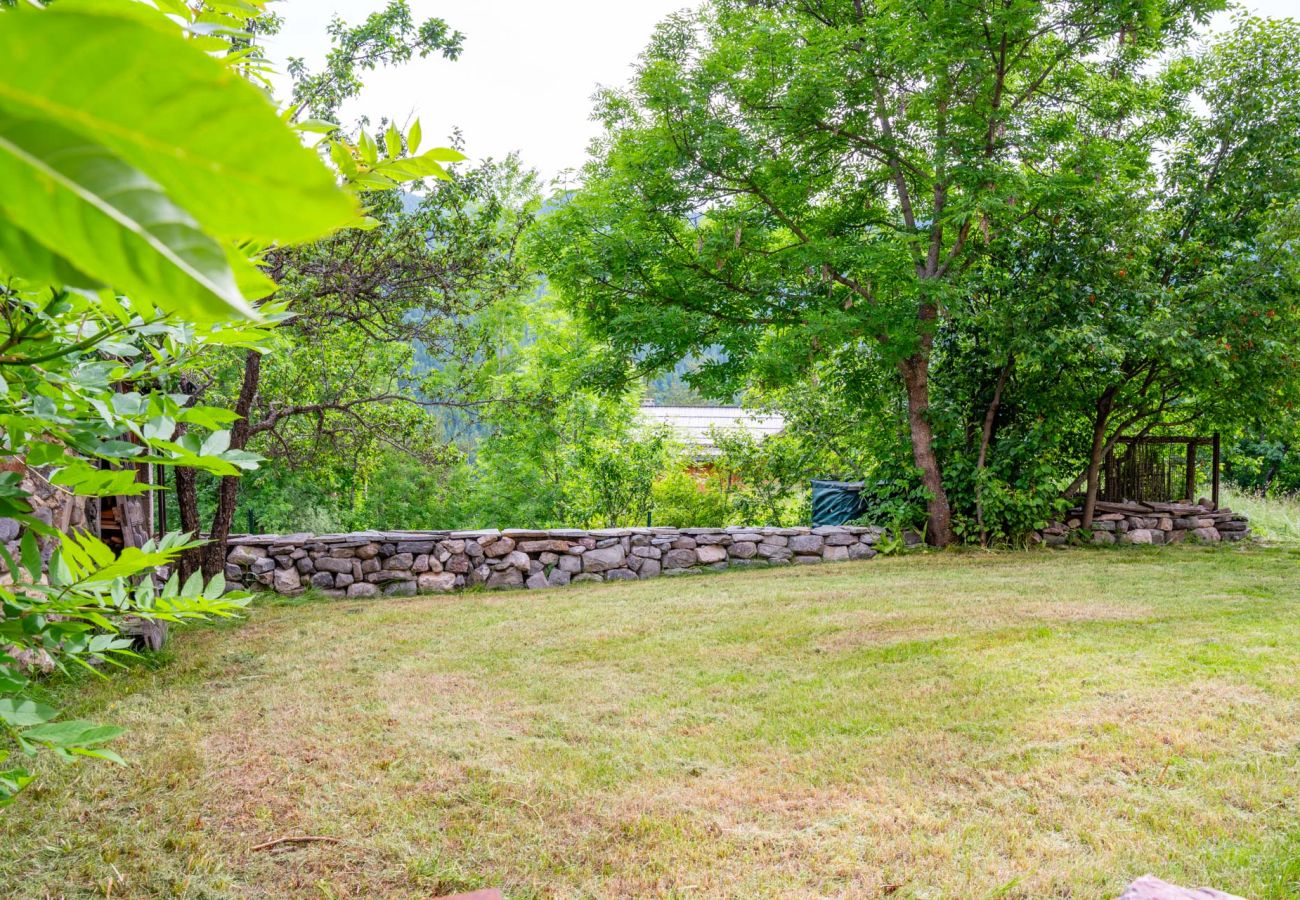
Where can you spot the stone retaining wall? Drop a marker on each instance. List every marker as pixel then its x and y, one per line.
pixel 369 563
pixel 1151 523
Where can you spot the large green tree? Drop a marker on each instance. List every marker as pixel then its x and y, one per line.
pixel 784 180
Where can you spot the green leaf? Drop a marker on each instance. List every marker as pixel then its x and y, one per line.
pixel 83 478
pixel 215 444
pixel 72 733
pixel 414 167
pixel 22 253
pixel 22 713
pixel 11 782
pixel 31 555
pixel 121 75
pixel 368 149
pixel 317 126
pixel 73 195
pixel 413 137
pixel 193 586
pixel 443 154
pixel 43 453
pixel 11 682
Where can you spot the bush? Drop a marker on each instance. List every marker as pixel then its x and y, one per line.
pixel 683 501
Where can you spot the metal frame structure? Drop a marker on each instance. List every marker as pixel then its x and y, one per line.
pixel 1143 474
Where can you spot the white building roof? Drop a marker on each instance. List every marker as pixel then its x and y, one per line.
pixel 691 424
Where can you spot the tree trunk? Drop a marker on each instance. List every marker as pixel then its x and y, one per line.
pixel 986 436
pixel 1272 470
pixel 214 552
pixel 1095 454
pixel 916 378
pixel 187 501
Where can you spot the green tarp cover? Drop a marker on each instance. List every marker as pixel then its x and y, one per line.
pixel 836 502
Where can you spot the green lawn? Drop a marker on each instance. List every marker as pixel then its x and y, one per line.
pixel 1046 724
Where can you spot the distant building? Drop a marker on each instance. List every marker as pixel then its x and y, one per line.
pixel 692 424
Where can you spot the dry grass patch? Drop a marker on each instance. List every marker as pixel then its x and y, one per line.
pixel 956 725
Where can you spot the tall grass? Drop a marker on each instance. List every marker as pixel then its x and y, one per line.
pixel 1274 519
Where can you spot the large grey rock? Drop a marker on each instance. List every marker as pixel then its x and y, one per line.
pixel 743 549
pixel 245 555
pixel 537 581
pixel 1205 534
pixel 435 582
pixel 604 559
pixel 559 578
pixel 570 564
pixel 650 568
pixel 287 581
pixel 1149 887
pixel 399 589
pixel 502 546
pixel 1139 536
pixel 543 546
pixel 518 560
pixel 836 552
pixel 864 551
pixel 711 553
pixel 620 575
pixel 806 543
pixel 509 578
pixel 322 580
pixel 680 559
pixel 362 589
pixel 9 529
pixel 329 564
pixel 400 562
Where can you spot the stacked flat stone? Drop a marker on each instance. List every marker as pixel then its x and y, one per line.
pixel 371 563
pixel 1151 523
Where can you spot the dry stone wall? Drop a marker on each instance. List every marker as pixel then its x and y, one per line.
pixel 1151 523
pixel 403 563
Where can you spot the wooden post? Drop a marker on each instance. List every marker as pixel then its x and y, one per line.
pixel 1190 476
pixel 1214 483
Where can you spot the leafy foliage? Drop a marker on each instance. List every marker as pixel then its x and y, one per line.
pixel 136 171
pixel 1011 234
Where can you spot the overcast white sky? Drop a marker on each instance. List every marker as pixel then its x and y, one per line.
pixel 525 79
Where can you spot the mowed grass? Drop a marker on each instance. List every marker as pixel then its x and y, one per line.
pixel 1047 724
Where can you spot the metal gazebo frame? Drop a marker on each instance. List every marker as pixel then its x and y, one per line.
pixel 1141 474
